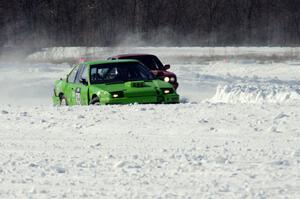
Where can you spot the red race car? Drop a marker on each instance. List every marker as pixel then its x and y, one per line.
pixel 154 64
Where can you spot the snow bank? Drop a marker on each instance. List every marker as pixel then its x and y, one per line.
pixel 60 54
pixel 257 93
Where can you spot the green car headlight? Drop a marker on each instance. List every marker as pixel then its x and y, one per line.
pixel 117 94
pixel 167 91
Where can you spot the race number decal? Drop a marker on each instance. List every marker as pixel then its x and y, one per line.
pixel 77 96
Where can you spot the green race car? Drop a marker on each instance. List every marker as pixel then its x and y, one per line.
pixel 112 82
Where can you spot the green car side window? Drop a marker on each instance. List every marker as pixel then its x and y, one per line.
pixel 78 74
pixel 82 76
pixel 72 76
pixel 84 73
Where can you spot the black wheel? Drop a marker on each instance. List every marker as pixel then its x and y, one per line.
pixel 95 101
pixel 63 100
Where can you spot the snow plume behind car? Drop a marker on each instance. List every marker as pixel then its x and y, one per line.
pixel 29 84
pixel 257 93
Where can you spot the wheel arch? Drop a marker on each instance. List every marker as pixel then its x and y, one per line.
pixel 60 95
pixel 94 96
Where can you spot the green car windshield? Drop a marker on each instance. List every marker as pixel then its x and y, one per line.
pixel 119 72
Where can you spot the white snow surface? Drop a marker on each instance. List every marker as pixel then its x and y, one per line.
pixel 236 134
pixel 149 151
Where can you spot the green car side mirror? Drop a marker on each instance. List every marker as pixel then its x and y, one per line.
pixel 83 81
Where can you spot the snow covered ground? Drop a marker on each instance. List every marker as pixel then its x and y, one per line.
pixel 236 135
pixel 174 151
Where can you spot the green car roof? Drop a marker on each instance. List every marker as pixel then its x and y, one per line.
pixel 109 61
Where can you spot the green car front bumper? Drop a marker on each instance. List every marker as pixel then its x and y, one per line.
pixel 166 99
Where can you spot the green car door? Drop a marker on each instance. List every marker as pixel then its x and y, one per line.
pixel 76 90
pixel 81 86
pixel 70 85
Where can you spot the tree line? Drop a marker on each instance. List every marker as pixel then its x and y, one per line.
pixel 42 23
